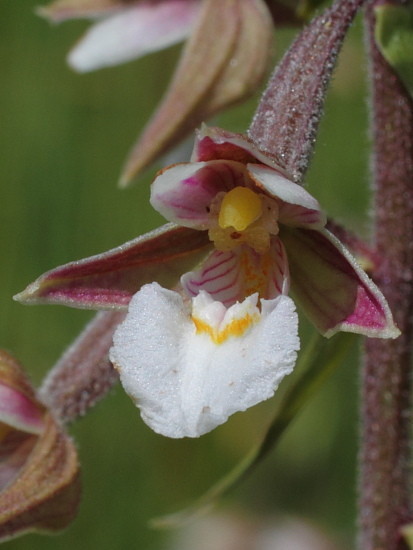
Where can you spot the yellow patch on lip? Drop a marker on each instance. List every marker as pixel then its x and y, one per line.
pixel 235 328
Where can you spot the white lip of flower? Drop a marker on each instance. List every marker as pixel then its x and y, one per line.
pixel 189 371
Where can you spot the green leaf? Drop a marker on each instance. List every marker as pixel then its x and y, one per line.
pixel 318 360
pixel 394 38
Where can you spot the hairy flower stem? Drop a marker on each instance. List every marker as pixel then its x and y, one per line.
pixel 84 374
pixel 384 486
pixel 286 121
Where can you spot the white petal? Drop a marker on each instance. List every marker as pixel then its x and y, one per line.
pixel 183 193
pixel 300 208
pixel 135 31
pixel 186 384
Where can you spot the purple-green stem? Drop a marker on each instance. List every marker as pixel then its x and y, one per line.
pixel 384 482
pixel 84 373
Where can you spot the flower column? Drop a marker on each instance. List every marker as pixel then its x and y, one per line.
pixel 384 457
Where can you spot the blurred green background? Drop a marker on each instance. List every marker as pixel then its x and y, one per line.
pixel 63 139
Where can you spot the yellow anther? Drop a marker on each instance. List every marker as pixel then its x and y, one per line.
pixel 239 208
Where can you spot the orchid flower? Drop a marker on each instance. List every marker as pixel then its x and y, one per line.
pixel 220 337
pixel 39 471
pixel 223 62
